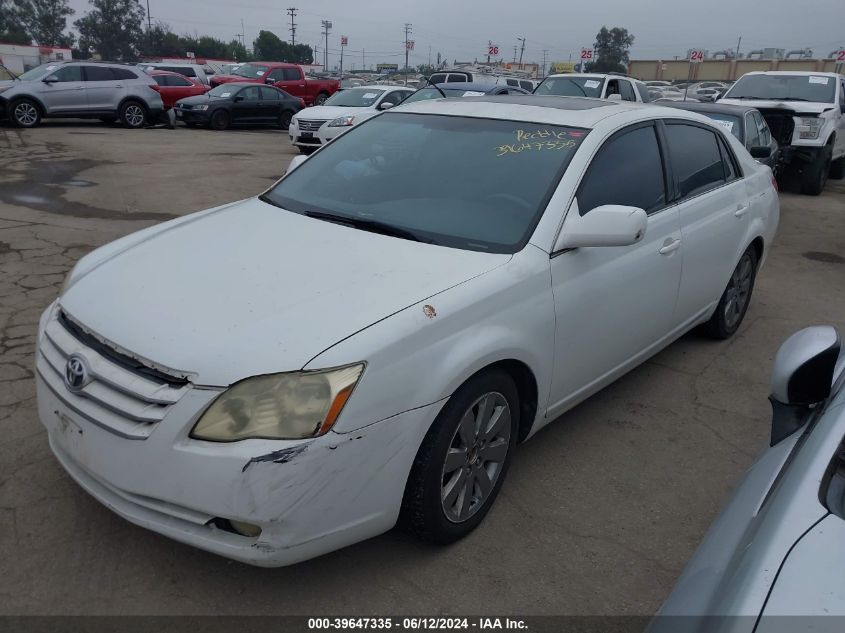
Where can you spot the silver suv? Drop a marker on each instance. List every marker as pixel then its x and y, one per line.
pixel 81 89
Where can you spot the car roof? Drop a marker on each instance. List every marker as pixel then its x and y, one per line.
pixel 802 73
pixel 714 108
pixel 466 85
pixel 571 111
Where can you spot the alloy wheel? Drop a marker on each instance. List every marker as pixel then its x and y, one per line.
pixel 739 291
pixel 134 115
pixel 26 114
pixel 475 457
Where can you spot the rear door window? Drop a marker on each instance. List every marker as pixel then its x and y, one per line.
pixel 250 94
pixel 98 73
pixel 437 78
pixel 512 82
pixel 291 74
pixel 696 159
pixel 627 170
pixel 456 78
pixel 269 94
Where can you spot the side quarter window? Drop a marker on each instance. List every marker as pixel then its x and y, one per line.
pixel 752 133
pixel 627 170
pixel 696 158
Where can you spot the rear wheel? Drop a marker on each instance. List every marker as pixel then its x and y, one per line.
pixel 837 169
pixel 815 174
pixel 133 115
pixel 321 99
pixel 25 113
pixel 463 459
pixel 220 120
pixel 284 119
pixel 306 150
pixel 735 300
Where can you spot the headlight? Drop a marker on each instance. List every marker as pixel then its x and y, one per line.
pixel 202 108
pixel 343 121
pixel 812 126
pixel 289 406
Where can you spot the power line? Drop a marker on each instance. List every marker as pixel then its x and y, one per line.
pixel 292 13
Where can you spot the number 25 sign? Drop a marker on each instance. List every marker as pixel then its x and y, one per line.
pixel 696 57
pixel 586 54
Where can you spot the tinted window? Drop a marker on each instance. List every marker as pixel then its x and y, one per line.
pixel 180 82
pixel 752 135
pixel 161 80
pixel 456 78
pixel 249 94
pixel 492 177
pixel 627 170
pixel 526 85
pixel 438 79
pixel 123 73
pixel 765 134
pixel 98 73
pixel 291 74
pixel 182 70
pixel 730 169
pixel 512 82
pixel 696 159
pixel 269 94
pixel 627 91
pixel 643 90
pixel 69 73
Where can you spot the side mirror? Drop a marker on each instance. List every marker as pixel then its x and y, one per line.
pixel 238 99
pixel 802 376
pixel 270 81
pixel 50 79
pixel 761 151
pixel 607 225
pixel 385 105
pixel 614 97
pixel 295 162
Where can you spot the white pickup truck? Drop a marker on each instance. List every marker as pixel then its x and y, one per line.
pixel 806 114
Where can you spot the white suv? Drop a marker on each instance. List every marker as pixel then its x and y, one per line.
pixel 616 87
pixel 806 113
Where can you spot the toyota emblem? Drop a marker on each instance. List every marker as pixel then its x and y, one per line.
pixel 76 373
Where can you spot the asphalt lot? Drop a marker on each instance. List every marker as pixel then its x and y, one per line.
pixel 599 514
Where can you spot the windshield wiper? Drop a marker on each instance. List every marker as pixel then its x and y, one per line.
pixel 373 226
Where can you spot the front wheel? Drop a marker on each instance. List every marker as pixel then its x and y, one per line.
pixel 735 300
pixel 285 119
pixel 815 174
pixel 837 169
pixel 220 120
pixel 321 99
pixel 463 460
pixel 25 113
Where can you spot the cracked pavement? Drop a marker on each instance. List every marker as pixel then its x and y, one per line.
pixel 600 512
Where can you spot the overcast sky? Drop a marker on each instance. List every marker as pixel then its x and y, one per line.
pixel 461 28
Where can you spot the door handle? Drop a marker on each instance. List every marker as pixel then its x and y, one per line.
pixel 741 211
pixel 670 245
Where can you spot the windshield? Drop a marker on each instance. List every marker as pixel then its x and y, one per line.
pixel 250 70
pixel 571 87
pixel 476 184
pixel 38 72
pixel 355 97
pixel 5 73
pixel 816 88
pixel 433 93
pixel 222 91
pixel 731 123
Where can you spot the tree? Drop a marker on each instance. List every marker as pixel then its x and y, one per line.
pixel 611 50
pixel 113 29
pixel 46 20
pixel 12 29
pixel 160 41
pixel 301 54
pixel 238 52
pixel 268 46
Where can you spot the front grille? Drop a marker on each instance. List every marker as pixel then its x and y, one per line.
pixel 186 106
pixel 123 396
pixel 310 126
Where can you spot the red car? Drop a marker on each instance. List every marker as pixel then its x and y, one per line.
pixel 173 86
pixel 288 77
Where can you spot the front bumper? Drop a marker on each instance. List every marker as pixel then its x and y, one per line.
pixel 309 497
pixel 300 138
pixel 191 116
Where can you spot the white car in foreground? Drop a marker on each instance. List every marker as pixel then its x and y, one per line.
pixel 312 128
pixel 368 341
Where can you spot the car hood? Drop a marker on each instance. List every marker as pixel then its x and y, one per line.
pixel 200 99
pixel 253 289
pixel 797 107
pixel 327 113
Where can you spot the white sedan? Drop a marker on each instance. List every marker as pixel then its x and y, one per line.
pixel 314 127
pixel 370 339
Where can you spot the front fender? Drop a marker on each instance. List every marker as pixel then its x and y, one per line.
pixel 425 352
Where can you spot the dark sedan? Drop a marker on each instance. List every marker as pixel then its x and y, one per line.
pixel 747 124
pixel 239 104
pixel 462 89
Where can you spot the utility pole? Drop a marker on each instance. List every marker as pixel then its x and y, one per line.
pixel 292 13
pixel 489 44
pixel 514 53
pixel 544 61
pixel 364 59
pixel 521 51
pixel 738 42
pixel 407 33
pixel 326 26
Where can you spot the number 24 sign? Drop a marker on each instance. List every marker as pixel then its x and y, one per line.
pixel 696 57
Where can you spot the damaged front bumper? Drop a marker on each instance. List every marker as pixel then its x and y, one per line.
pixel 308 497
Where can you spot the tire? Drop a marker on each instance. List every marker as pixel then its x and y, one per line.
pixel 442 505
pixel 220 120
pixel 307 151
pixel 837 169
pixel 735 299
pixel 133 115
pixel 108 119
pixel 284 119
pixel 24 113
pixel 320 99
pixel 815 174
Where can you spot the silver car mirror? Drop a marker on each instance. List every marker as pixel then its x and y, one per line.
pixel 50 79
pixel 607 225
pixel 802 376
